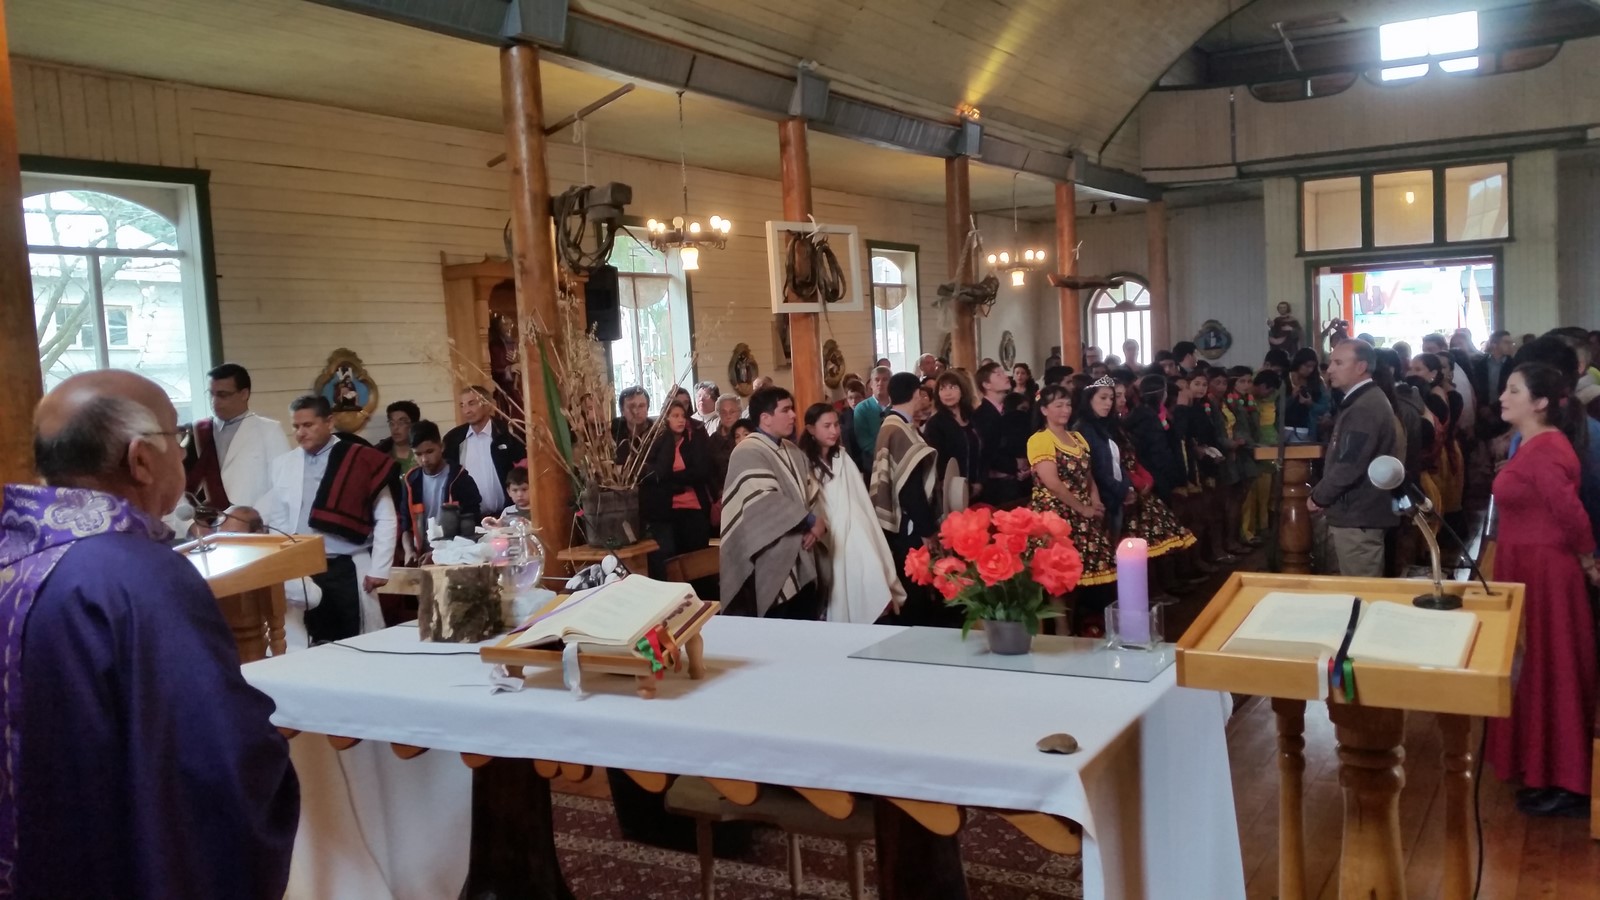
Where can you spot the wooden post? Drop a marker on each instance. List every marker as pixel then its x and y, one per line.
pixel 1370 758
pixel 19 351
pixel 1455 738
pixel 958 221
pixel 1155 220
pixel 805 347
pixel 1291 716
pixel 1067 264
pixel 534 265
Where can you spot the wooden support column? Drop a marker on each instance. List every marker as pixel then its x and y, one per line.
pixel 19 352
pixel 1067 264
pixel 534 264
pixel 958 221
pixel 805 346
pixel 1155 220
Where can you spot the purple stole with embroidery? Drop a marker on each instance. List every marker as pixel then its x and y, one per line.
pixel 38 525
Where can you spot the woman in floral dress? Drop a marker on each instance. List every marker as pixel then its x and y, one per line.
pixel 1063 483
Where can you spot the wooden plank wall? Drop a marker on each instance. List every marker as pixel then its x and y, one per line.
pixel 1578 236
pixel 329 224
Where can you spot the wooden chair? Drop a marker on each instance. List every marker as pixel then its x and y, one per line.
pixel 778 807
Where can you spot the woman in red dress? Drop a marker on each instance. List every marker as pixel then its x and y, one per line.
pixel 1546 743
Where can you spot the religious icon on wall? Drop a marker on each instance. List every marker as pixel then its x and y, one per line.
pixel 1212 340
pixel 351 393
pixel 743 370
pixel 832 364
pixel 1008 350
pixel 1284 332
pixel 505 364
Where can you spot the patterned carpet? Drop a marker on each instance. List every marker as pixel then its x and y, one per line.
pixel 599 864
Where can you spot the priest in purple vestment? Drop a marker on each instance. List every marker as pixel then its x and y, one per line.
pixel 137 762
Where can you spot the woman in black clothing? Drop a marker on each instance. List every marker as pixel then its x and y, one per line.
pixel 1095 419
pixel 675 493
pixel 949 431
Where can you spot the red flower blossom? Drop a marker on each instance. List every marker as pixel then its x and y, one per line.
pixel 1013 543
pixel 950 577
pixel 1057 567
pixel 966 532
pixel 1053 526
pixel 918 567
pixel 997 563
pixel 1021 520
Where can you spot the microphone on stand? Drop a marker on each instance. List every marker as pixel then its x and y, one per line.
pixel 1389 474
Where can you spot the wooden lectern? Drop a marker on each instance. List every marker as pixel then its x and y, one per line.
pixel 1370 729
pixel 1294 520
pixel 247 572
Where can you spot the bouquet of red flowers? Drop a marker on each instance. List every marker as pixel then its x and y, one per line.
pixel 999 565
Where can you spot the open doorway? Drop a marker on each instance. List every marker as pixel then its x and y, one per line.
pixel 1403 300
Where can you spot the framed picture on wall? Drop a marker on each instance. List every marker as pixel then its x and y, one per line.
pixel 815 267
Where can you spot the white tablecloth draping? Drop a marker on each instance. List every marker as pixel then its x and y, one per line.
pixel 782 703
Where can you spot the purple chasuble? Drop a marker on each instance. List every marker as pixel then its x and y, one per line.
pixel 38 525
pixel 138 763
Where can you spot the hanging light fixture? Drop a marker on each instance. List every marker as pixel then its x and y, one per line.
pixel 684 233
pixel 1025 260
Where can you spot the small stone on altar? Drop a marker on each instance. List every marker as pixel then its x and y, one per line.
pixel 1058 743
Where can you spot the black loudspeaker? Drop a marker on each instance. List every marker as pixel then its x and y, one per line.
pixel 601 303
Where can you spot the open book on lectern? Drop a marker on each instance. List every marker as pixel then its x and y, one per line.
pixel 612 615
pixel 1284 623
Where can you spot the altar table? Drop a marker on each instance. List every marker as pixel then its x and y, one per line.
pixel 781 704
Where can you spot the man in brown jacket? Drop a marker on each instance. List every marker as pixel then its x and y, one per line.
pixel 1357 513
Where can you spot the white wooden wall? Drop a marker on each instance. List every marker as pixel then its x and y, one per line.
pixel 1578 239
pixel 329 223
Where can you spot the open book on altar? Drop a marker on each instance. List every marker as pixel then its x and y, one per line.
pixel 1314 625
pixel 615 615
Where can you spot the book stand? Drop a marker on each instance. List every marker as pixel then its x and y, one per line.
pixel 684 626
pixel 1370 729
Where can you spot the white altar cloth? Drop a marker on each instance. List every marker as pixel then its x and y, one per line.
pixel 782 703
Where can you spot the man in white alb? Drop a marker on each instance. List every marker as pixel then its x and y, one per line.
pixel 230 454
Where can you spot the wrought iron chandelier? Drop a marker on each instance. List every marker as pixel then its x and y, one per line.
pixel 1023 261
pixel 685 232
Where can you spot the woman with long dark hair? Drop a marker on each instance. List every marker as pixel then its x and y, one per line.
pixel 1448 474
pixel 675 492
pixel 949 431
pixel 1063 483
pixel 1094 418
pixel 1546 744
pixel 1309 399
pixel 1150 447
pixel 858 571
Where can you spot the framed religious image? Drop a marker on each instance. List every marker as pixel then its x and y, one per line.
pixel 815 267
pixel 348 389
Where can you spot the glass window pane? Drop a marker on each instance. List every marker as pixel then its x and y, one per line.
pixel 92 219
pixel 1331 213
pixel 1402 208
pixel 63 307
pixel 145 298
pixel 629 255
pixel 1476 203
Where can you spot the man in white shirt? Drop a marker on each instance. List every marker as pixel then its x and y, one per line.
pixel 344 492
pixel 484 447
pixel 230 454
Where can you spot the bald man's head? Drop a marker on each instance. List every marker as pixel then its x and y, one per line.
pixel 112 431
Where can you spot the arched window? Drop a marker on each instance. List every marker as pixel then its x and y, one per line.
pixel 896 327
pixel 1118 314
pixel 115 284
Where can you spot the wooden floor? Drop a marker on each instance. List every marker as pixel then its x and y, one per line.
pixel 1524 857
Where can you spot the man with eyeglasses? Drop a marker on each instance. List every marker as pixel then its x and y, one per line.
pixel 230 453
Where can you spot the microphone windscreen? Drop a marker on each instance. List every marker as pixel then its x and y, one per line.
pixel 1386 472
pixel 183 512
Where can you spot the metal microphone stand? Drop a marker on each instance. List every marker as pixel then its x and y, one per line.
pixel 1417 513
